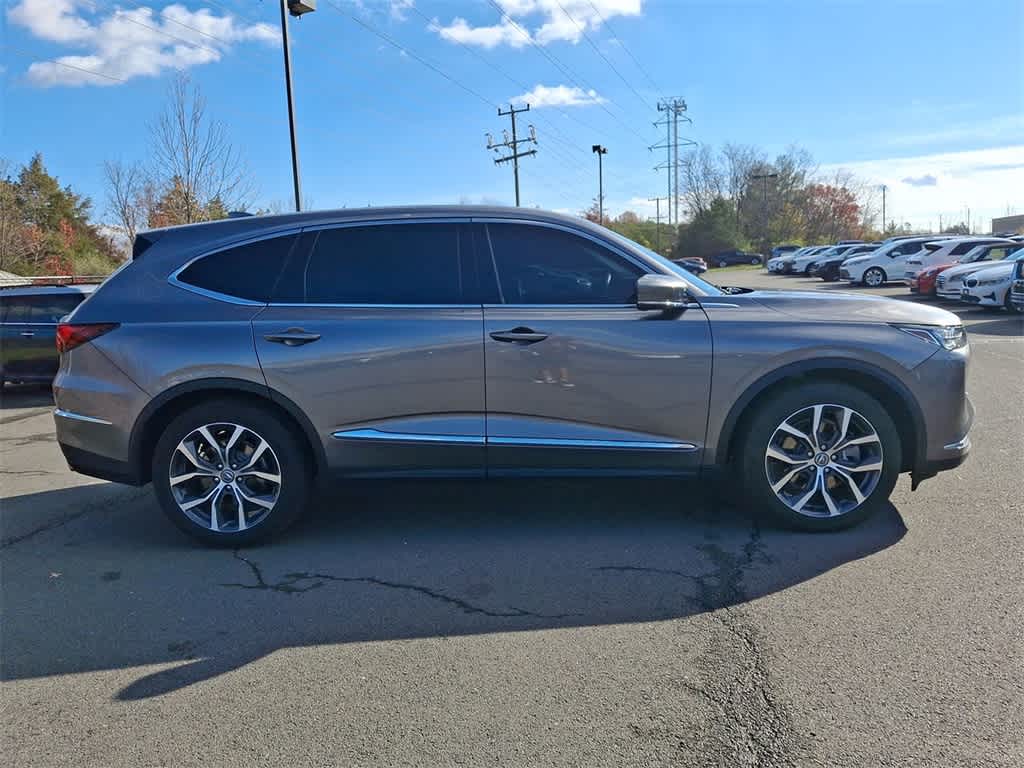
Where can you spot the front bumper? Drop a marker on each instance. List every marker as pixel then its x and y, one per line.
pixel 947 411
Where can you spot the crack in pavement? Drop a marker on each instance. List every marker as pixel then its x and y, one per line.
pixel 291 583
pixel 120 498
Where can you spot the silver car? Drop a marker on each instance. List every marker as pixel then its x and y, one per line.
pixel 232 362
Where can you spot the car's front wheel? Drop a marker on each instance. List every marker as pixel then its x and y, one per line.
pixel 755 261
pixel 820 456
pixel 1012 308
pixel 874 277
pixel 723 263
pixel 230 473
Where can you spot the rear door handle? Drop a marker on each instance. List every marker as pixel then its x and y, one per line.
pixel 521 335
pixel 28 334
pixel 293 337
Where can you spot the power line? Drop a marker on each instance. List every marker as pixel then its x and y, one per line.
pixel 561 67
pixel 583 31
pixel 66 65
pixel 625 47
pixel 513 144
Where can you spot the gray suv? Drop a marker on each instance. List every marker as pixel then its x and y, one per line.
pixel 232 362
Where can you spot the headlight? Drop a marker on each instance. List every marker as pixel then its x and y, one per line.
pixel 992 281
pixel 946 336
pixel 931 273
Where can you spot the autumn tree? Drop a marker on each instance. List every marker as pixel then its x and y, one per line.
pixel 831 212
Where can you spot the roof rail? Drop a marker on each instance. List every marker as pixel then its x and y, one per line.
pixel 239 214
pixel 24 281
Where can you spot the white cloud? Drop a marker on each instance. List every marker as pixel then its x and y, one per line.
pixel 397 8
pixel 558 96
pixel 128 43
pixel 558 20
pixel 986 180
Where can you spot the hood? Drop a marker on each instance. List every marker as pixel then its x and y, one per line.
pixel 961 270
pixel 1004 269
pixel 859 259
pixel 852 308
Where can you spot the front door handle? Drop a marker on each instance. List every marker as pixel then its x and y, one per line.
pixel 521 335
pixel 28 334
pixel 293 337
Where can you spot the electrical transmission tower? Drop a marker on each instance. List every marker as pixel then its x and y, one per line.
pixel 674 110
pixel 513 144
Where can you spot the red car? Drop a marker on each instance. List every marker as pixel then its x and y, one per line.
pixel 924 282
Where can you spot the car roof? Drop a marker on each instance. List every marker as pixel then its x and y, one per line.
pixel 47 290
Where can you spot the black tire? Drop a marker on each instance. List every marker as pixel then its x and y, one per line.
pixel 1012 308
pixel 755 261
pixel 875 271
pixel 287 450
pixel 774 411
pixel 723 263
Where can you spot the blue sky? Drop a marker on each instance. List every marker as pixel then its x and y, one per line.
pixel 927 97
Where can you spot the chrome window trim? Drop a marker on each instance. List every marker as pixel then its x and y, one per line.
pixel 561 306
pixel 47 325
pixel 60 412
pixel 405 437
pixel 374 306
pixel 174 280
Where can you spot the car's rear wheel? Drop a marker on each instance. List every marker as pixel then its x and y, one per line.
pixel 755 261
pixel 230 474
pixel 723 263
pixel 874 277
pixel 820 456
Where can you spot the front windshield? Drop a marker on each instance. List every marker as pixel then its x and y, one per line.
pixel 701 286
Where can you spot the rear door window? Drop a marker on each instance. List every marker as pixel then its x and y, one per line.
pixel 13 309
pixel 247 271
pixel 542 265
pixel 386 264
pixel 48 309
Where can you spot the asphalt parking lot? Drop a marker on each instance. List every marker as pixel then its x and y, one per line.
pixel 527 623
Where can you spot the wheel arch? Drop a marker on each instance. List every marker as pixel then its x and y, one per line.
pixel 890 392
pixel 160 411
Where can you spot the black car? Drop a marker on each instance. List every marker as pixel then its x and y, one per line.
pixel 28 324
pixel 729 258
pixel 1017 287
pixel 693 264
pixel 828 268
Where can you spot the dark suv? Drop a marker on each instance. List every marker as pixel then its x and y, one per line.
pixel 230 362
pixel 28 321
pixel 729 258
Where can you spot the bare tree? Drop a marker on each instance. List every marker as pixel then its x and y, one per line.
pixel 702 180
pixel 127 197
pixel 194 159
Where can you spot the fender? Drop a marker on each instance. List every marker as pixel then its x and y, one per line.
pixel 222 384
pixel 824 365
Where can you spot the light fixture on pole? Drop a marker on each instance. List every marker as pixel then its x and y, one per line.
pixel 295 8
pixel 599 150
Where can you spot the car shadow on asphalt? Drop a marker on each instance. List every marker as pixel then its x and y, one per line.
pixel 25 396
pixel 392 561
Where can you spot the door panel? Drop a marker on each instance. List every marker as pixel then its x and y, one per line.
pixel 607 388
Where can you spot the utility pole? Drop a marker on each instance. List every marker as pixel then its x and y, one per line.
pixel 884 188
pixel 600 151
pixel 674 110
pixel 657 221
pixel 513 144
pixel 296 8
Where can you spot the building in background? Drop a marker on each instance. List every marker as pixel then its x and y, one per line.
pixel 1009 224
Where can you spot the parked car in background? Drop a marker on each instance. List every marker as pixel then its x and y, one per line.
pixel 990 287
pixel 1017 287
pixel 827 267
pixel 782 250
pixel 884 263
pixel 950 281
pixel 801 265
pixel 693 264
pixel 730 258
pixel 28 322
pixel 941 252
pixel 231 362
pixel 784 264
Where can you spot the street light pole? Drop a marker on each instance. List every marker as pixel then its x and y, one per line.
pixel 599 150
pixel 884 188
pixel 764 203
pixel 295 8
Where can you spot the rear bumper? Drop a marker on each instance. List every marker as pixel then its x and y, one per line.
pixel 105 468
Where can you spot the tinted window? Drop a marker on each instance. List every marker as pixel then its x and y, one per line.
pixel 963 248
pixel 384 264
pixel 13 309
pixel 50 308
pixel 539 265
pixel 245 271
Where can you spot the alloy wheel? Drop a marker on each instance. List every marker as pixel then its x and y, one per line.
pixel 225 477
pixel 824 460
pixel 874 277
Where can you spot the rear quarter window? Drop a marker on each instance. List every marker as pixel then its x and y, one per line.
pixel 247 271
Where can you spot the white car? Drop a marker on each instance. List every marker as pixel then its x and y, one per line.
pixel 784 264
pixel 991 287
pixel 941 252
pixel 885 263
pixel 950 281
pixel 801 265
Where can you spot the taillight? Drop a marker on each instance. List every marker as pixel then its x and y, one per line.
pixel 71 335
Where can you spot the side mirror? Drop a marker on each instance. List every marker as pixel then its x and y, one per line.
pixel 661 292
